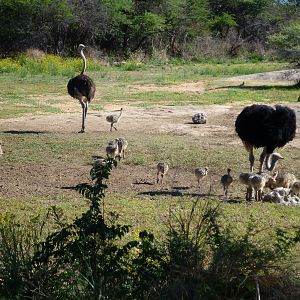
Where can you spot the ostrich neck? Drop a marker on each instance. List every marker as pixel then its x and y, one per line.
pixel 270 165
pixel 120 114
pixel 83 62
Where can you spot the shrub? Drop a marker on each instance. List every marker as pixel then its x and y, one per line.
pixel 89 256
pixel 35 54
pixel 210 261
pixel 18 243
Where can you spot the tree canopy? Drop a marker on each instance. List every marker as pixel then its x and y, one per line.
pixel 126 26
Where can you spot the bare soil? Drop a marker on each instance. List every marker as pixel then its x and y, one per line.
pixel 39 180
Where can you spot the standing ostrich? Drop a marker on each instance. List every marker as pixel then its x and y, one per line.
pixel 114 119
pixel 82 88
pixel 267 127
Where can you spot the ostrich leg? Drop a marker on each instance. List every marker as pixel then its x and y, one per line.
pixel 86 108
pixel 262 159
pixel 83 105
pixel 251 158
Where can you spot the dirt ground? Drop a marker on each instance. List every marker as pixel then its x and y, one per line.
pixel 40 180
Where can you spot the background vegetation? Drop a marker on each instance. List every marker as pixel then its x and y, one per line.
pixel 189 28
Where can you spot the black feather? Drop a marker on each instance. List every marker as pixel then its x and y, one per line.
pixel 265 126
pixel 81 86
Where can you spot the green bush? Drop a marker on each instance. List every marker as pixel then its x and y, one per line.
pixel 208 261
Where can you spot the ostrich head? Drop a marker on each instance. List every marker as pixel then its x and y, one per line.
pixel 81 47
pixel 271 160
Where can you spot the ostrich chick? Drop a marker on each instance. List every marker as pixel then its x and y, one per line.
pixel 259 181
pixel 122 144
pixel 226 181
pixel 112 149
pixel 162 169
pixel 200 173
pixel 114 119
pixel 296 188
pixel 98 168
pixel 285 180
pixel 99 163
pixel 244 179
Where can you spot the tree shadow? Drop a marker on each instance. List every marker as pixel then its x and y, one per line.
pixel 162 193
pixel 68 188
pixel 176 193
pixel 261 87
pixel 24 132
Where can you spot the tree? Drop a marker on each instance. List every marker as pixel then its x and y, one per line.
pixel 288 40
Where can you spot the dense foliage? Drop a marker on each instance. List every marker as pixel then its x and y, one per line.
pixel 180 28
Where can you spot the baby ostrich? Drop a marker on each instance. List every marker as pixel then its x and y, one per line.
pixel 226 181
pixel 162 169
pixel 285 180
pixel 99 166
pixel 82 88
pixel 114 119
pixel 200 173
pixel 259 181
pixel 112 149
pixel 267 127
pixel 296 188
pixel 99 163
pixel 244 179
pixel 122 145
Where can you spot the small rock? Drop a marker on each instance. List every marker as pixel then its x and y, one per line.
pixel 199 118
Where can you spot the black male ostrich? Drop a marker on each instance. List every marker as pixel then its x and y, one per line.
pixel 267 127
pixel 82 88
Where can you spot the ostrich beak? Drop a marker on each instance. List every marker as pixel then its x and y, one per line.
pixel 279 156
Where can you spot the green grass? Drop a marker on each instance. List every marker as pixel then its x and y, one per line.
pixel 184 152
pixel 39 87
pixel 151 213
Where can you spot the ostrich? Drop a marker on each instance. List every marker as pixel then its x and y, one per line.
pixel 244 179
pixel 1 151
pixel 201 173
pixel 226 181
pixel 100 163
pixel 82 88
pixel 267 127
pixel 162 169
pixel 296 188
pixel 114 119
pixel 259 181
pixel 122 145
pixel 112 149
pixel 285 180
